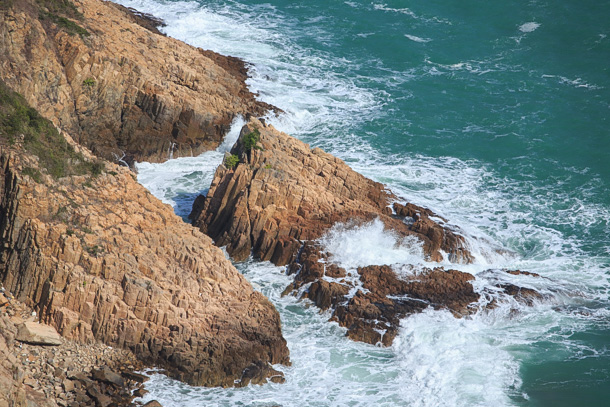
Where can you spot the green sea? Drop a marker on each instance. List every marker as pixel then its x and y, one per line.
pixel 492 114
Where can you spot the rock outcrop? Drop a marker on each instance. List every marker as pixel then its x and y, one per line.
pixel 100 259
pixel 282 196
pixel 282 193
pixel 370 301
pixel 117 87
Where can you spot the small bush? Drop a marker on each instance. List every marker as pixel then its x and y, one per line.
pixel 231 161
pixel 251 139
pixel 89 82
pixel 268 167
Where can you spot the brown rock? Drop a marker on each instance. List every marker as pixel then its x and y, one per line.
pixel 122 268
pixel 122 90
pixel 153 403
pixel 282 193
pixel 108 376
pixel 38 334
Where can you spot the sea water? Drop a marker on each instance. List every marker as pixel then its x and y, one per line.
pixel 492 114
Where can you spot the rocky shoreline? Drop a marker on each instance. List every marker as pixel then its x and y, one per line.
pixel 278 197
pixel 127 284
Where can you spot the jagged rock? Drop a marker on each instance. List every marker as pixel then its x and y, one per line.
pixel 118 87
pixel 38 334
pixel 108 376
pixel 136 377
pixel 373 314
pixel 282 192
pixel 120 267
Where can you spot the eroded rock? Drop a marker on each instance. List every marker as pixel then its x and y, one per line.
pixel 120 267
pixel 282 193
pixel 119 88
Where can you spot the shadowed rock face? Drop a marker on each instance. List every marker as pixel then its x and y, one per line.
pixel 119 88
pixel 100 258
pixel 282 193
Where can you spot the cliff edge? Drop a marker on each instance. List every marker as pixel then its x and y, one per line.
pixel 119 88
pixel 101 259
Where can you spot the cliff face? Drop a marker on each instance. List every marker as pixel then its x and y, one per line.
pixel 100 258
pixel 282 196
pixel 282 193
pixel 117 87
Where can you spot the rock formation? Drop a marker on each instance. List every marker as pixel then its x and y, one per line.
pixel 117 87
pixel 99 258
pixel 281 196
pixel 282 193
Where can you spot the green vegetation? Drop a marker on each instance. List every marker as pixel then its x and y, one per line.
pixel 33 173
pixel 18 121
pixel 89 82
pixel 251 139
pixel 93 250
pixel 231 161
pixel 63 7
pixel 268 167
pixel 62 13
pixel 64 23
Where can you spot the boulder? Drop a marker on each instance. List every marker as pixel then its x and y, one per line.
pixel 38 334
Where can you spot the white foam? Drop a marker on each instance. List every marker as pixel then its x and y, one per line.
pixel 417 39
pixel 529 27
pixel 179 181
pixel 370 244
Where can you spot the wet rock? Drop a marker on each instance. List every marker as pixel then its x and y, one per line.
pixel 153 403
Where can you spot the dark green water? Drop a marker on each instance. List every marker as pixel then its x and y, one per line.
pixel 494 114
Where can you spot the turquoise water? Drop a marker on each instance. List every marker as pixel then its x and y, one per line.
pixel 493 115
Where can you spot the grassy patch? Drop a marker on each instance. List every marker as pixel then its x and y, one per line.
pixel 63 7
pixel 65 24
pixel 33 173
pixel 89 82
pixel 40 138
pixel 231 161
pixel 251 139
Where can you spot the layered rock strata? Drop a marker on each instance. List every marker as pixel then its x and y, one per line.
pixel 282 193
pixel 117 87
pixel 100 259
pixel 281 196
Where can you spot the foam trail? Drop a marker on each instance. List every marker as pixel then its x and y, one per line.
pixel 179 181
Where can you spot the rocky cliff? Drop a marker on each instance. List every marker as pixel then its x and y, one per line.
pixel 120 89
pixel 282 193
pixel 275 196
pixel 101 259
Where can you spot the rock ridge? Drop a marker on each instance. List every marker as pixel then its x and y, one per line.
pixel 120 89
pixel 283 193
pixel 275 197
pixel 100 259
